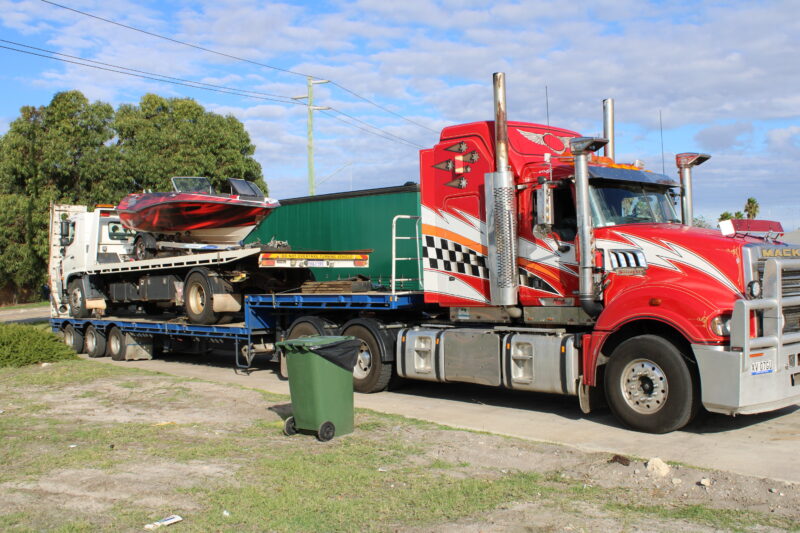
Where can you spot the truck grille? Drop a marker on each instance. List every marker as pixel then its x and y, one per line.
pixel 790 286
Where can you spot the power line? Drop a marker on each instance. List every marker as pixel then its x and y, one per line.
pixel 155 77
pixel 108 67
pixel 258 93
pixel 230 56
pixel 409 143
pixel 373 127
pixel 224 90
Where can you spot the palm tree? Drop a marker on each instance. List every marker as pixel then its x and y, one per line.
pixel 751 208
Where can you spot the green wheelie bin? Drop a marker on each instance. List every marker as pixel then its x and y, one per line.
pixel 321 384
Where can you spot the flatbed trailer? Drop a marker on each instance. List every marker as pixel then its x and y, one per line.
pixel 267 319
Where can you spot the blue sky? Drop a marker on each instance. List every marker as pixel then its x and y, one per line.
pixel 724 76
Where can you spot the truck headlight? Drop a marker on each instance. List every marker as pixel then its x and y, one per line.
pixel 720 325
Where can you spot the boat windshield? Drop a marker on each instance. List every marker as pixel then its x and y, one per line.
pixel 192 184
pixel 620 202
pixel 245 188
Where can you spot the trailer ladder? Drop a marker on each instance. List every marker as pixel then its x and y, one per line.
pixel 417 238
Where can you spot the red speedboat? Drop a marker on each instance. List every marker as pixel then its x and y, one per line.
pixel 194 212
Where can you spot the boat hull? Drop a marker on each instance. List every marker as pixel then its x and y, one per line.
pixel 192 217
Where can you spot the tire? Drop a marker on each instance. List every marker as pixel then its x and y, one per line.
pixel 649 386
pixel 115 345
pixel 95 342
pixel 326 431
pixel 370 374
pixel 198 299
pixel 144 246
pixel 76 299
pixel 73 338
pixel 304 326
pixel 289 427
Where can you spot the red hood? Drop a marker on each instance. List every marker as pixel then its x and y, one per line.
pixel 698 260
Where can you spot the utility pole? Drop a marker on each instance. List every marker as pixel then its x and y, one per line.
pixel 311 108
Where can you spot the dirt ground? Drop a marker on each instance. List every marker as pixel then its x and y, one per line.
pixel 144 477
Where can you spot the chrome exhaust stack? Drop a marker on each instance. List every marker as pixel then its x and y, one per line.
pixel 685 162
pixel 581 147
pixel 608 127
pixel 501 211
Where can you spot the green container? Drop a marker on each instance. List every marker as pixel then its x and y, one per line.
pixel 357 220
pixel 321 384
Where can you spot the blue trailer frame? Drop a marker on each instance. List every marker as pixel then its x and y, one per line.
pixel 260 314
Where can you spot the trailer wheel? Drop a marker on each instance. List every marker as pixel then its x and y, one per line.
pixel 649 386
pixel 197 299
pixel 370 374
pixel 144 246
pixel 95 342
pixel 77 299
pixel 116 347
pixel 73 338
pixel 302 327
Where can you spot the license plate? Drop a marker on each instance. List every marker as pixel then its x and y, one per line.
pixel 761 367
pixel 317 263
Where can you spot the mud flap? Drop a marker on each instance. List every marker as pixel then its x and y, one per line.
pixel 138 347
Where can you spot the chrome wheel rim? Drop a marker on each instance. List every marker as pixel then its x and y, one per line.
pixel 644 386
pixel 115 345
pixel 197 299
pixel 363 362
pixel 90 341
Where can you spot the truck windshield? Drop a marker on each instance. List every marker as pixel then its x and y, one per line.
pixel 619 202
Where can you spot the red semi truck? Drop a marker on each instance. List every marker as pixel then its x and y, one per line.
pixel 548 268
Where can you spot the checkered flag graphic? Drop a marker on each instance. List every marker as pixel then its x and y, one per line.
pixel 449 256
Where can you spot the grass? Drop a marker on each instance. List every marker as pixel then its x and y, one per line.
pixel 24 306
pixel 376 479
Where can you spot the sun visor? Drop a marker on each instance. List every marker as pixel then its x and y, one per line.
pixel 626 174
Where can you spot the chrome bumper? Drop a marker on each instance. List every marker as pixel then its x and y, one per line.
pixel 755 374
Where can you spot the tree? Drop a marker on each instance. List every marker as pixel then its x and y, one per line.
pixel 727 215
pixel 165 137
pixel 701 222
pixel 751 208
pixel 75 151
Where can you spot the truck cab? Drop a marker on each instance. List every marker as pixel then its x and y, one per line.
pixel 524 225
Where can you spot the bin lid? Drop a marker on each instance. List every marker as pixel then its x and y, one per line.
pixel 341 351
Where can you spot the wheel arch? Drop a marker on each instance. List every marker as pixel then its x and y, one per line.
pixel 383 336
pixel 637 327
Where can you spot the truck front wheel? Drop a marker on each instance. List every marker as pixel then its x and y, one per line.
pixel 197 299
pixel 77 299
pixel 370 374
pixel 649 386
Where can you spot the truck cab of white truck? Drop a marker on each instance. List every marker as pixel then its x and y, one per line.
pixel 80 239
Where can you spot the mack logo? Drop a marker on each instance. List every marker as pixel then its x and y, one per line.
pixel 780 252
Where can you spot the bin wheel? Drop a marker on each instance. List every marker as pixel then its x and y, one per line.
pixel 326 431
pixel 289 428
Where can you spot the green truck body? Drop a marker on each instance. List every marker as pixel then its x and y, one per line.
pixel 357 220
